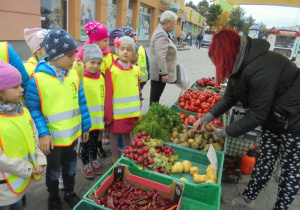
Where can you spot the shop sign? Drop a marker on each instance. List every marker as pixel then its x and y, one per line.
pixel 174 7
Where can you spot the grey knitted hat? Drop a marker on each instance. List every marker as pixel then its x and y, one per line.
pixel 125 40
pixel 91 51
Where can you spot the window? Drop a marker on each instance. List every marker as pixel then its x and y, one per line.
pixel 54 14
pixel 144 23
pixel 129 12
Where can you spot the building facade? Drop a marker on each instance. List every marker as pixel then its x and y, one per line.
pixel 193 22
pixel 72 15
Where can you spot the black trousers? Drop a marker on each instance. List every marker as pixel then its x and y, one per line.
pixel 65 157
pixel 89 149
pixel 157 88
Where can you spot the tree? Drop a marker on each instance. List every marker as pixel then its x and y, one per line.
pixel 203 8
pixel 249 21
pixel 192 5
pixel 222 21
pixel 262 29
pixel 214 11
pixel 237 19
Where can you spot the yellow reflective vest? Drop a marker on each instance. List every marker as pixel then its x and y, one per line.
pixel 60 106
pixel 17 141
pixel 108 59
pixel 31 65
pixel 126 95
pixel 143 64
pixel 115 56
pixel 94 90
pixel 4 52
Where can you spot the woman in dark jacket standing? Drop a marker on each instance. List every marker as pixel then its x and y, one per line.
pixel 267 84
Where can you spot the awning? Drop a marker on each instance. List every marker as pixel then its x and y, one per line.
pixel 293 3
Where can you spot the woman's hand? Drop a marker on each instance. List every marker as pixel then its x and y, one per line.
pixel 218 132
pixel 164 79
pixel 85 137
pixel 39 170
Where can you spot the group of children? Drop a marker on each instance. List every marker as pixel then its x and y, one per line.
pixel 73 93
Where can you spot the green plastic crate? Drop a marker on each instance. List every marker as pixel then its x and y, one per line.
pixel 163 179
pixel 197 158
pixel 204 196
pixel 85 205
pixel 178 109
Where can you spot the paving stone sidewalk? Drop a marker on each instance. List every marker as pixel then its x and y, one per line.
pixel 197 65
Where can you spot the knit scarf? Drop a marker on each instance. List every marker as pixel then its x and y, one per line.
pixel 106 51
pixel 11 108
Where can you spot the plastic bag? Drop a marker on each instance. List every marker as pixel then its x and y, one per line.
pixel 182 80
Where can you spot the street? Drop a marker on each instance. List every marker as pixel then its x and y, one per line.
pixel 198 65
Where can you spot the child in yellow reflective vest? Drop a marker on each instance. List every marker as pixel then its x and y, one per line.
pixel 94 88
pixel 122 99
pixel 34 38
pixel 20 157
pixel 57 103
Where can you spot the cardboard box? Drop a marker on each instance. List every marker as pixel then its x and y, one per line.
pixel 120 171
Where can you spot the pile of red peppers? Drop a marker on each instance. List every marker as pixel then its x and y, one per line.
pixel 125 196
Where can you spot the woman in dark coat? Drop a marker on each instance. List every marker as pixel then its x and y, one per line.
pixel 267 84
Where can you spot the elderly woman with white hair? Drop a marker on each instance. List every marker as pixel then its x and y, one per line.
pixel 163 56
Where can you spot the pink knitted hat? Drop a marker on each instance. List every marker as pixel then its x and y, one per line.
pixel 34 37
pixel 9 76
pixel 96 31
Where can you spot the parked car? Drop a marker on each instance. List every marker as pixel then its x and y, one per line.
pixel 207 38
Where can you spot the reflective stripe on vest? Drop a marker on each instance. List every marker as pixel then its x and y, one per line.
pixel 106 62
pixel 143 64
pixel 60 106
pixel 4 52
pixel 95 96
pixel 126 96
pixel 19 145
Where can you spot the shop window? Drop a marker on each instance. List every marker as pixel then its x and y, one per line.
pixel 54 14
pixel 112 11
pixel 144 23
pixel 179 21
pixel 129 12
pixel 88 12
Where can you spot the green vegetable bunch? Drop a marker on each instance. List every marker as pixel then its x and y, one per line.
pixel 158 122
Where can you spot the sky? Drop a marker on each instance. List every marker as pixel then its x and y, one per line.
pixel 277 16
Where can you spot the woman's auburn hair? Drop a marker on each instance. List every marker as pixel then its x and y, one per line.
pixel 223 50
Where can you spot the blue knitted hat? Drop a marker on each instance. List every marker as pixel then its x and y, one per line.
pixel 58 43
pixel 115 33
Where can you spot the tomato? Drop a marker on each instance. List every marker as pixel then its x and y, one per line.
pixel 181 99
pixel 204 106
pixel 199 110
pixel 186 108
pixel 187 96
pixel 181 104
pixel 197 102
pixel 199 115
pixel 202 83
pixel 205 80
pixel 205 110
pixel 202 98
pixel 209 100
pixel 190 117
pixel 194 96
pixel 191 121
pixel 193 108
